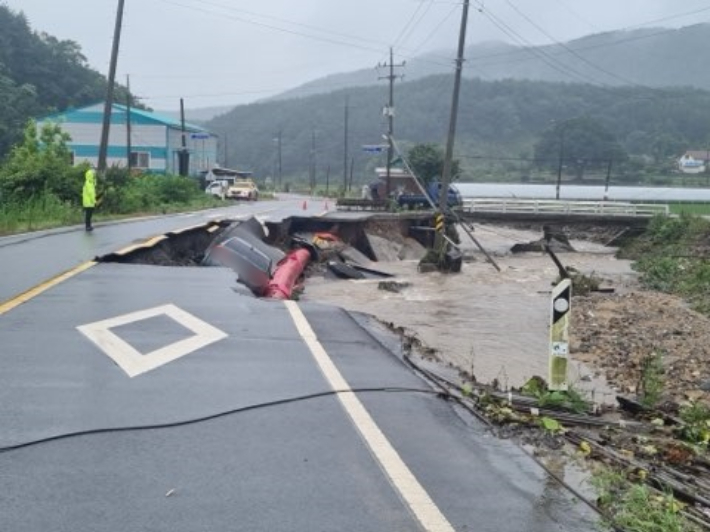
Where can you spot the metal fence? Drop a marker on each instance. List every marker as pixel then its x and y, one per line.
pixel 586 208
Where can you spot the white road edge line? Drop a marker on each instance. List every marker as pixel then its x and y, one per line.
pixel 404 481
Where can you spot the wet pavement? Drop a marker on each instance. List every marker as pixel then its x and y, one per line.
pixel 32 258
pixel 282 460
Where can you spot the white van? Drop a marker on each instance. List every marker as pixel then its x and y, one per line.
pixel 217 188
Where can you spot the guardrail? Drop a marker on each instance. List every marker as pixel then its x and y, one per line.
pixel 582 208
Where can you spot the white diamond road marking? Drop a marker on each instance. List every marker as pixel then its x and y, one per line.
pixel 131 360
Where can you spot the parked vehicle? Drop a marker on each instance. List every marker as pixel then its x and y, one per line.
pixel 418 200
pixel 217 189
pixel 243 190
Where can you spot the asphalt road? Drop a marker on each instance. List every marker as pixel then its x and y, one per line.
pixel 99 364
pixel 28 259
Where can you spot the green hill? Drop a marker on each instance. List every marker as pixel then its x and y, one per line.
pixel 499 122
pixel 40 74
pixel 654 57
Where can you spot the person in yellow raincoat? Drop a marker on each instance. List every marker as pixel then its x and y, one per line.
pixel 89 197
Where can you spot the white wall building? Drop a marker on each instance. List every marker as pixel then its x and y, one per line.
pixel 155 139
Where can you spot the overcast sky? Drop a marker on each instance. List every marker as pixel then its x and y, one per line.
pixel 217 52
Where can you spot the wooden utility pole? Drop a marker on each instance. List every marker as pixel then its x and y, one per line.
pixel 184 154
pixel 312 170
pixel 129 147
pixel 108 104
pixel 446 173
pixel 389 112
pixel 608 178
pixel 561 159
pixel 280 168
pixel 345 145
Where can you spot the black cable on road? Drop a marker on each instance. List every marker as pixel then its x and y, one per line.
pixel 203 419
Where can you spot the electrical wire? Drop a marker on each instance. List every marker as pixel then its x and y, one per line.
pixel 574 52
pixel 407 32
pixel 203 419
pixel 364 45
pixel 542 54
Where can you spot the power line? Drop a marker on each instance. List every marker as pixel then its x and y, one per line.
pixel 572 51
pixel 408 31
pixel 534 50
pixel 436 28
pixel 364 47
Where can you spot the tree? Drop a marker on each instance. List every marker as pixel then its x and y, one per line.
pixel 578 143
pixel 41 164
pixel 427 161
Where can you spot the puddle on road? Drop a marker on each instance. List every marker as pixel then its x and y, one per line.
pixel 494 325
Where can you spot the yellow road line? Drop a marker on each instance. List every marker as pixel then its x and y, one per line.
pixel 147 244
pixel 190 228
pixel 24 297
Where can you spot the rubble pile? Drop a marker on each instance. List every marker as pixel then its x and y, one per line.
pixel 616 333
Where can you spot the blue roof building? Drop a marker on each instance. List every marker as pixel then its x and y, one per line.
pixel 155 139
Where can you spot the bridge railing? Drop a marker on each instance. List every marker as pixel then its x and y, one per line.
pixel 540 206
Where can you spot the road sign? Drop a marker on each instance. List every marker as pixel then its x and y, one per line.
pixel 559 334
pixel 199 136
pixel 374 148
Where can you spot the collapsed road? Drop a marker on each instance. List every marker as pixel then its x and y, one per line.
pixel 142 394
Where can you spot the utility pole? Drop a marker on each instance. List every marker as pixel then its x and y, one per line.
pixel 327 181
pixel 345 145
pixel 352 169
pixel 561 159
pixel 129 147
pixel 183 155
pixel 608 178
pixel 226 153
pixel 446 177
pixel 280 169
pixel 389 112
pixel 312 172
pixel 108 104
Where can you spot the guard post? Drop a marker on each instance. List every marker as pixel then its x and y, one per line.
pixel 559 335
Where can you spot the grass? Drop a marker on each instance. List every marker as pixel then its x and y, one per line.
pixel 48 213
pixel 671 257
pixel 651 383
pixel 43 213
pixel 635 507
pixel 700 209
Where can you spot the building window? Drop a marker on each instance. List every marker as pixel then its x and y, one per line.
pixel 140 159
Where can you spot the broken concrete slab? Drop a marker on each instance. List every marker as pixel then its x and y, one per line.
pixel 411 250
pixel 383 249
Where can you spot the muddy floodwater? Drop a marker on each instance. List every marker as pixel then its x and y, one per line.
pixel 492 324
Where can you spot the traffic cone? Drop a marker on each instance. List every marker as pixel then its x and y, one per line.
pixel 305 206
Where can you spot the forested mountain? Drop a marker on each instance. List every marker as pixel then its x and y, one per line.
pixel 655 57
pixel 40 74
pixel 499 121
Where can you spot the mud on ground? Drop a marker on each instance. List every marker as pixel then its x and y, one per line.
pixel 616 333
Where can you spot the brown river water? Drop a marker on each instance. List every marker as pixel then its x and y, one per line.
pixel 493 324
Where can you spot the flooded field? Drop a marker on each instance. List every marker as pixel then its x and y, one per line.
pixel 494 325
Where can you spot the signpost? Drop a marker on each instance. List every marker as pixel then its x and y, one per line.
pixel 559 335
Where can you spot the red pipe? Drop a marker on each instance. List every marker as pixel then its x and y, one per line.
pixel 287 273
